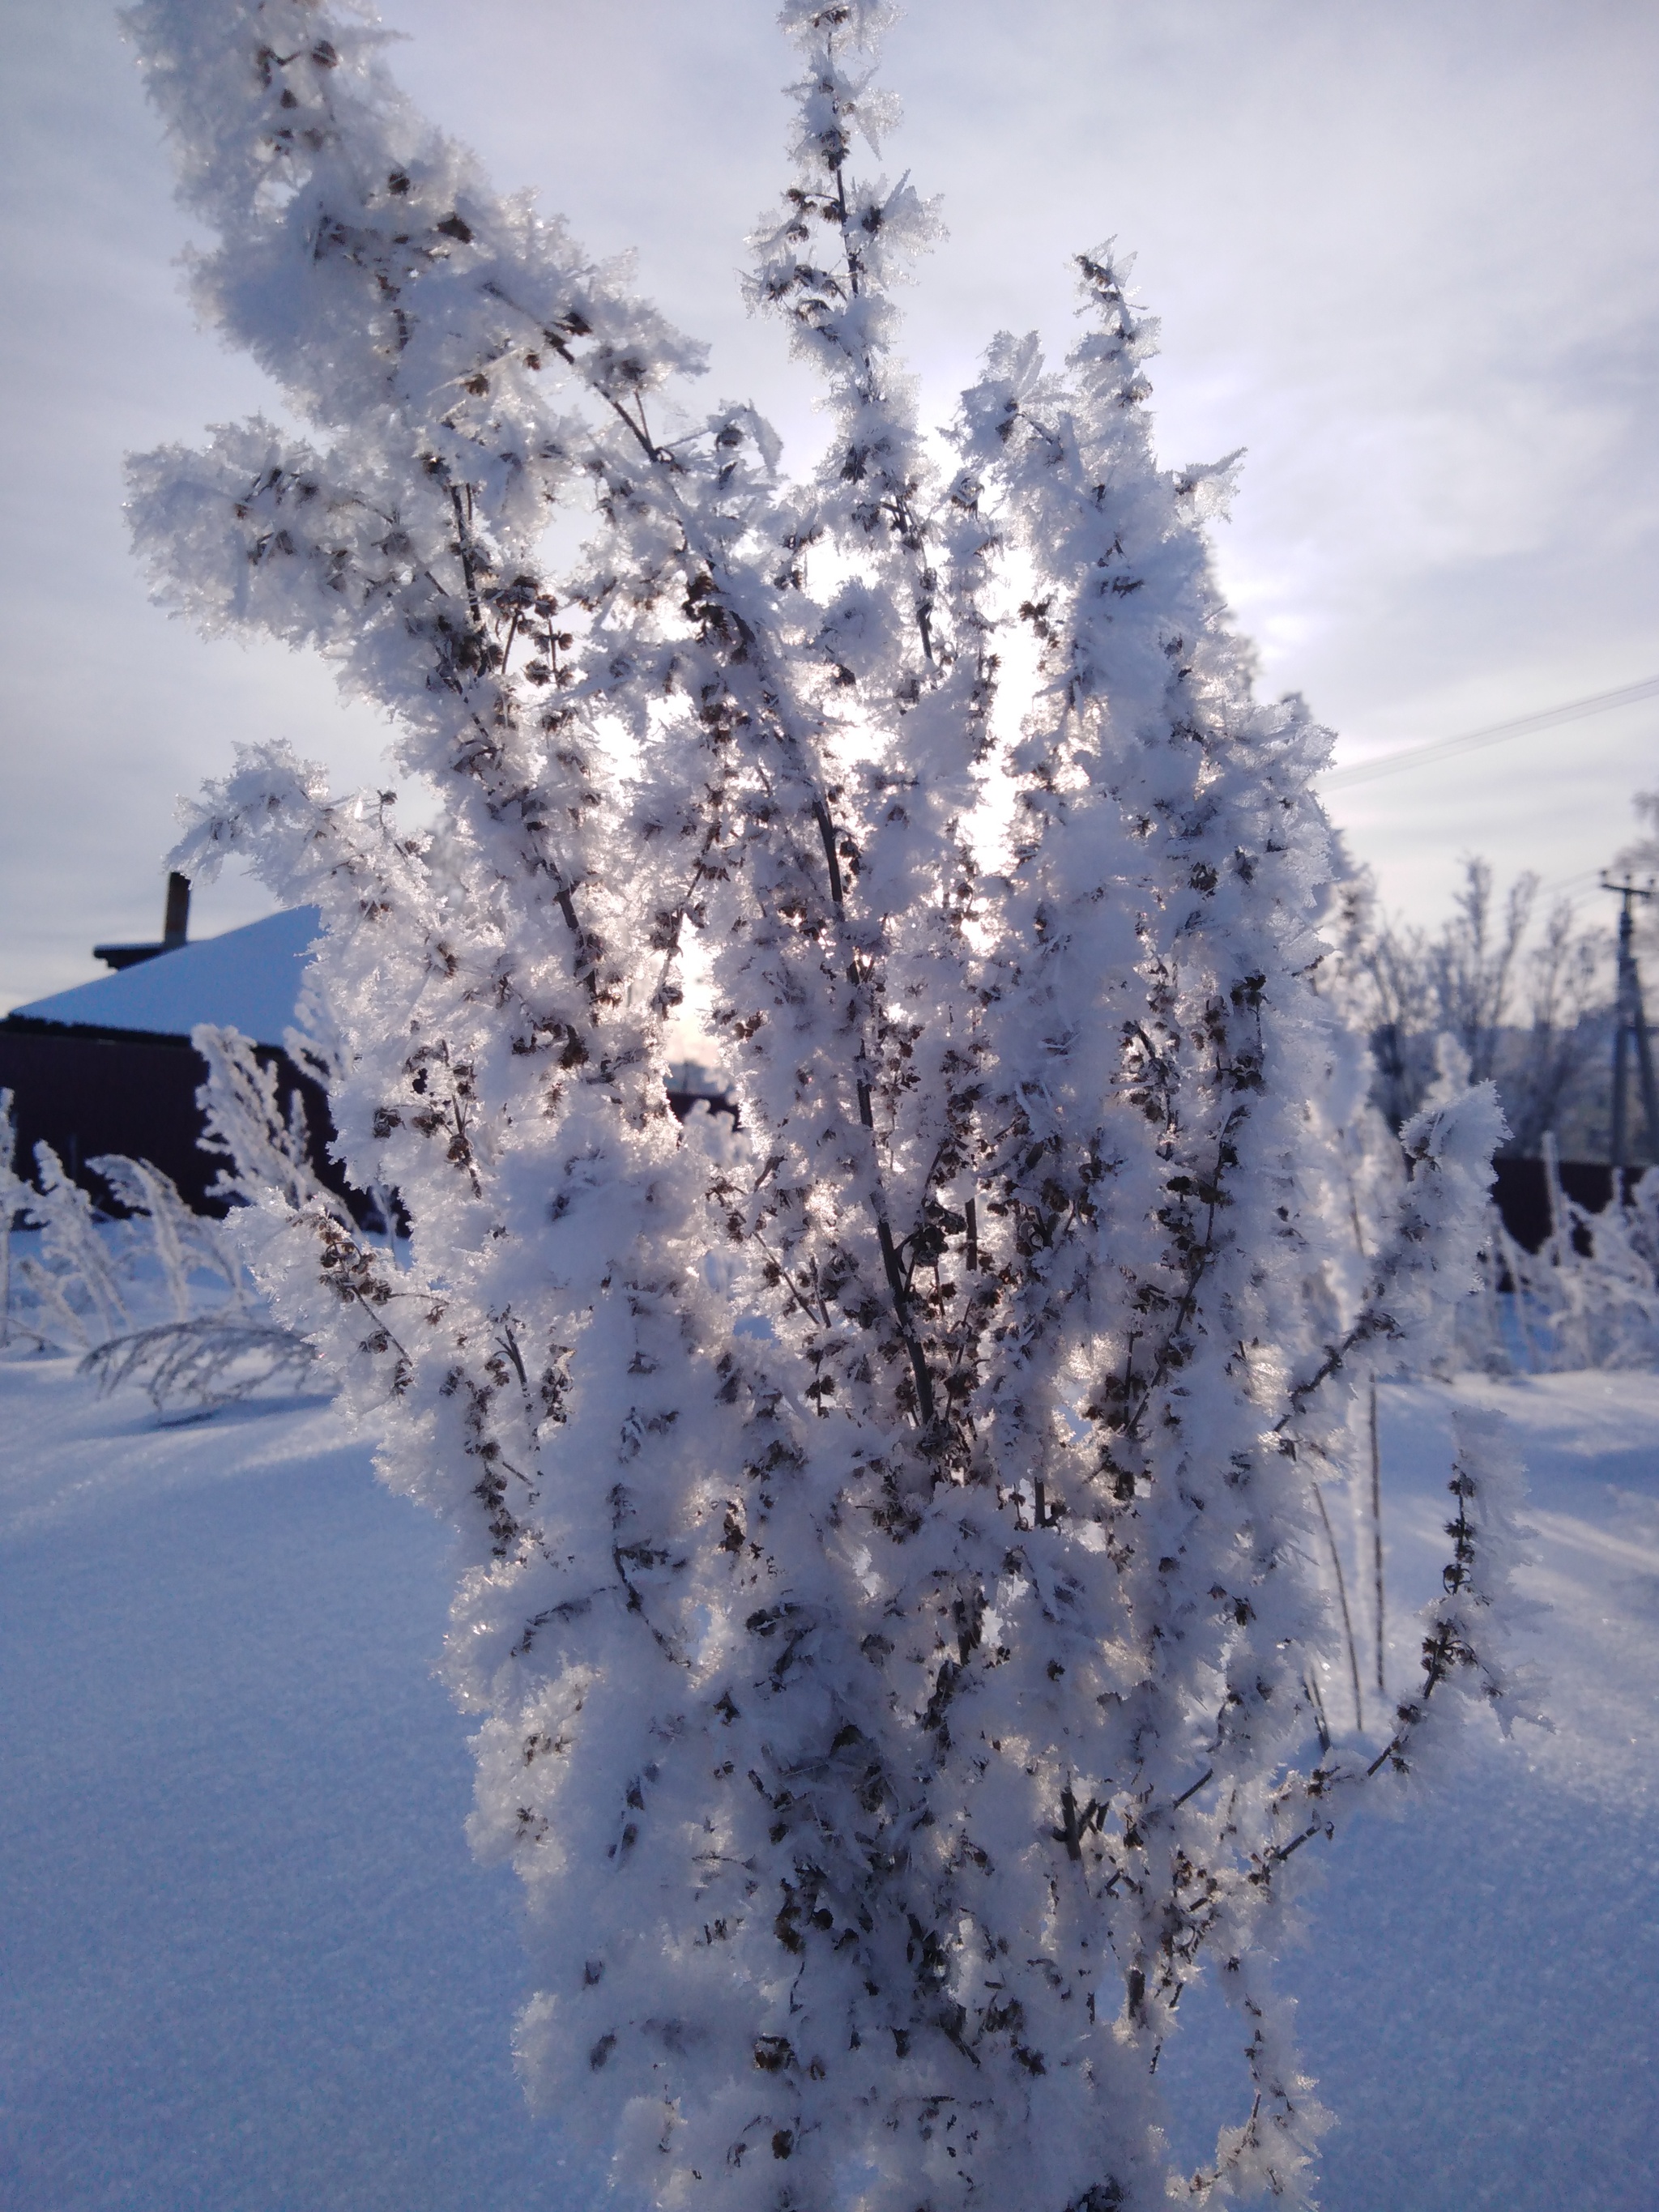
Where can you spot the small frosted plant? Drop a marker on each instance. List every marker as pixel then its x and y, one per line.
pixel 891 1595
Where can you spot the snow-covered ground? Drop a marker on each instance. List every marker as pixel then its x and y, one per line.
pixel 250 1965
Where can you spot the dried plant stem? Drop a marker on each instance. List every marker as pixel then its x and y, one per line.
pixel 1342 1598
pixel 1376 1540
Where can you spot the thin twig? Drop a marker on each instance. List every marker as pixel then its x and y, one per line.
pixel 1342 1595
pixel 1376 1536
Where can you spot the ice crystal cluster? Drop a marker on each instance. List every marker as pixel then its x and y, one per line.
pixel 889 1595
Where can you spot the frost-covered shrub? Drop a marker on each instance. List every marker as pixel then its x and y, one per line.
pixel 94 1277
pixel 73 1284
pixel 890 1593
pixel 1588 1297
pixel 14 1215
pixel 213 1351
pixel 184 1244
pixel 196 1366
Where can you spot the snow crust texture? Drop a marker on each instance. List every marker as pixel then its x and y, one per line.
pixel 888 1594
pixel 248 1963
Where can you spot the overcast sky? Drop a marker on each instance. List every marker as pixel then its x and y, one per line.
pixel 1404 251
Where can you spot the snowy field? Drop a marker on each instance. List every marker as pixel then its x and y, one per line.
pixel 250 1965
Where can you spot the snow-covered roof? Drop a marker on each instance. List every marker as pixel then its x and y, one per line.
pixel 248 978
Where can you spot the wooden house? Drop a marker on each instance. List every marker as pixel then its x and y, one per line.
pixel 108 1066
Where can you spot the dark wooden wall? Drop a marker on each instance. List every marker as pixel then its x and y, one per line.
pixel 1521 1191
pixel 86 1091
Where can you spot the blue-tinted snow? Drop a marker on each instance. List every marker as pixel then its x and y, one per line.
pixel 250 1965
pixel 248 978
pixel 1476 1993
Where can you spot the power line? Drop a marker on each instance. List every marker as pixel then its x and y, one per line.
pixel 1576 710
pixel 1558 886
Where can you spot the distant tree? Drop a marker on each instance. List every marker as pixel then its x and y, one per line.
pixel 887 1597
pixel 1473 964
pixel 1544 1071
pixel 1525 1016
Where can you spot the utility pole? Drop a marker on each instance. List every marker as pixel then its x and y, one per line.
pixel 1632 1025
